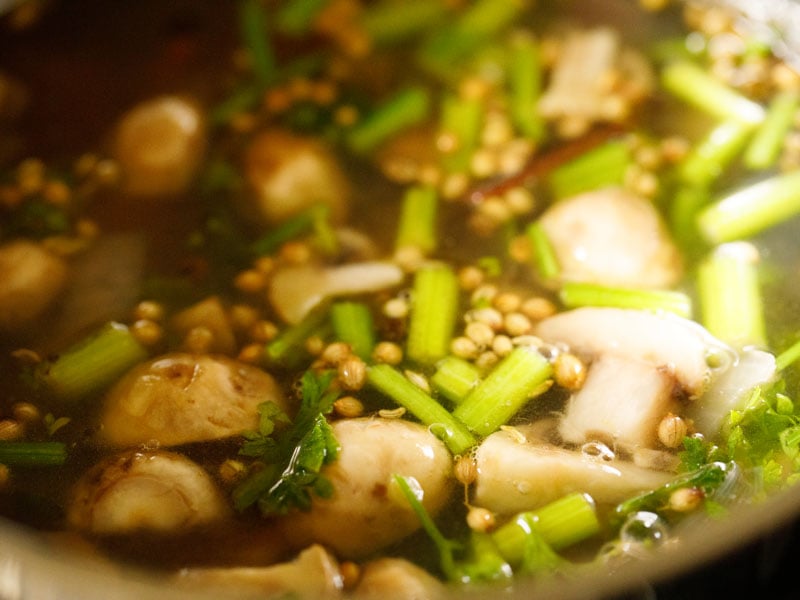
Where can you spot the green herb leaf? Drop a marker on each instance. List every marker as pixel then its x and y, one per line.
pixel 288 472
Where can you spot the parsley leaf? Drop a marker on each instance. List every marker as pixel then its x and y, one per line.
pixel 287 472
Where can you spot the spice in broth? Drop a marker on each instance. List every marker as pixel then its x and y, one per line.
pixel 396 295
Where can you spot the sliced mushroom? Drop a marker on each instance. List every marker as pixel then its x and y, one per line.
pixel 640 364
pixel 159 145
pixel 180 398
pixel 313 574
pixel 581 90
pixel 366 511
pixel 621 402
pixel 288 173
pixel 294 291
pixel 209 314
pixel 753 368
pixel 612 237
pixel 31 279
pixel 145 491
pixel 398 579
pixel 678 346
pixel 517 474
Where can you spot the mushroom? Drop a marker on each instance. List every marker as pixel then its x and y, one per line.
pixel 180 398
pixel 517 472
pixel 159 145
pixel 398 579
pixel 640 361
pixel 314 573
pixel 611 237
pixel 583 89
pixel 295 290
pixel 145 491
pixel 366 511
pixel 31 279
pixel 288 173
pixel 730 390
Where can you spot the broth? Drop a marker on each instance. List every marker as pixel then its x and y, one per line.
pixel 202 270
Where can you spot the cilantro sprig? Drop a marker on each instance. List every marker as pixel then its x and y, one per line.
pixel 290 455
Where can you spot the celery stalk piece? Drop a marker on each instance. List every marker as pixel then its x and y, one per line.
pixel 599 167
pixel 394 384
pixel 544 255
pixel 788 356
pixel 32 454
pixel 295 17
pixel 561 523
pixel 417 224
pixel 288 350
pixel 255 35
pixel 525 82
pixel 461 120
pixel 765 148
pixel 455 377
pixel 306 221
pixel 730 295
pixel 473 27
pixel 390 22
pixel 751 210
pixel 520 376
pixel 408 107
pixel 714 153
pixel 687 201
pixel 434 308
pixel 352 323
pixel 692 84
pixel 92 364
pixel 575 294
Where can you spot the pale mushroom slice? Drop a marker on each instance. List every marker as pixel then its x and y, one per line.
pixel 314 573
pixel 294 291
pixel 156 491
pixel 612 237
pixel 678 346
pixel 180 398
pixel 516 474
pixel 366 511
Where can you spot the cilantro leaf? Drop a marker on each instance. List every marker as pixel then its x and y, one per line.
pixel 287 472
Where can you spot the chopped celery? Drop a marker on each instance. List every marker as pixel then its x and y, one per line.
pixel 455 377
pixel 471 29
pixel 525 81
pixel 461 119
pixel 408 107
pixel 352 323
pixel 394 384
pixel 313 219
pixel 392 21
pixel 574 294
pixel 288 348
pixel 601 166
pixel 730 295
pixel 763 151
pixel 788 356
pixel 93 363
pixel 514 381
pixel 561 523
pixel 752 209
pixel 417 224
pixel 698 87
pixel 686 203
pixel 255 34
pixel 32 454
pixel 712 155
pixel 434 307
pixel 544 256
pixel 295 17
